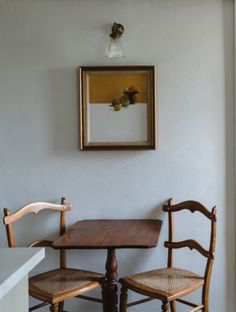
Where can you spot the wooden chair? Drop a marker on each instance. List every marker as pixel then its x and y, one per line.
pixel 53 287
pixel 171 284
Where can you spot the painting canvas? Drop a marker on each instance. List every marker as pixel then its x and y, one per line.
pixel 117 107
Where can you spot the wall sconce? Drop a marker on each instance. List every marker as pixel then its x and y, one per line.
pixel 115 45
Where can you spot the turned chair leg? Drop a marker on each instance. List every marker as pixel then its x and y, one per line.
pixel 205 299
pixel 54 307
pixel 206 305
pixel 123 299
pixel 172 306
pixel 61 306
pixel 165 306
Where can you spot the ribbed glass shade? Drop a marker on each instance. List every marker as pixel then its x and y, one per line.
pixel 115 48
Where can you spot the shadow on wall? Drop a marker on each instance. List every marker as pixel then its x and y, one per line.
pixel 229 39
pixel 63 102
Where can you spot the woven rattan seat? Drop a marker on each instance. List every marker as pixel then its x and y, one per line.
pixel 166 282
pixel 53 284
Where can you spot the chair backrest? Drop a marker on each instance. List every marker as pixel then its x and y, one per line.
pixel 190 243
pixel 36 207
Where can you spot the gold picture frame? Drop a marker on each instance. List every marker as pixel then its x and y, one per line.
pixel 117 107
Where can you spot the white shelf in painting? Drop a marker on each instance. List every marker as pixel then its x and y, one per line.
pixel 127 125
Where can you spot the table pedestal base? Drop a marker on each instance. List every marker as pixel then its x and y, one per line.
pixel 109 290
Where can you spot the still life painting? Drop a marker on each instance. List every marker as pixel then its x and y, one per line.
pixel 117 107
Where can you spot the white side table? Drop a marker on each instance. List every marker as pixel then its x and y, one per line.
pixel 15 265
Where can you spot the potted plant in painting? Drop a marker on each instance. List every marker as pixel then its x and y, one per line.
pixel 131 92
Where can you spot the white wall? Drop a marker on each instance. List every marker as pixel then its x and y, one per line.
pixel 191 42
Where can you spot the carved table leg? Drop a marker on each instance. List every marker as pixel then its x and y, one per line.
pixel 109 289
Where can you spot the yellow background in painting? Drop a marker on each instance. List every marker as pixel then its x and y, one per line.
pixel 103 88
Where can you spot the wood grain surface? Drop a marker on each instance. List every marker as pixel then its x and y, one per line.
pixel 103 234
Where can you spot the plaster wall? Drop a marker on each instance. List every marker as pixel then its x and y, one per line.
pixel 191 42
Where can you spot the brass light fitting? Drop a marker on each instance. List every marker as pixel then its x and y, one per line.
pixel 117 31
pixel 115 45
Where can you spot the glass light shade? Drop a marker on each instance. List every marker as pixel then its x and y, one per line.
pixel 115 48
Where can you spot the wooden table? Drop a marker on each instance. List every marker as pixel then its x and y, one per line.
pixel 110 235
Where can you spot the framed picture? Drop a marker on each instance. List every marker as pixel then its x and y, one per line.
pixel 117 107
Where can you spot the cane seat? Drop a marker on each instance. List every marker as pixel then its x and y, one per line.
pixel 164 283
pixel 53 285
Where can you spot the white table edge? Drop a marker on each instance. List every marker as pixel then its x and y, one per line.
pixel 23 269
